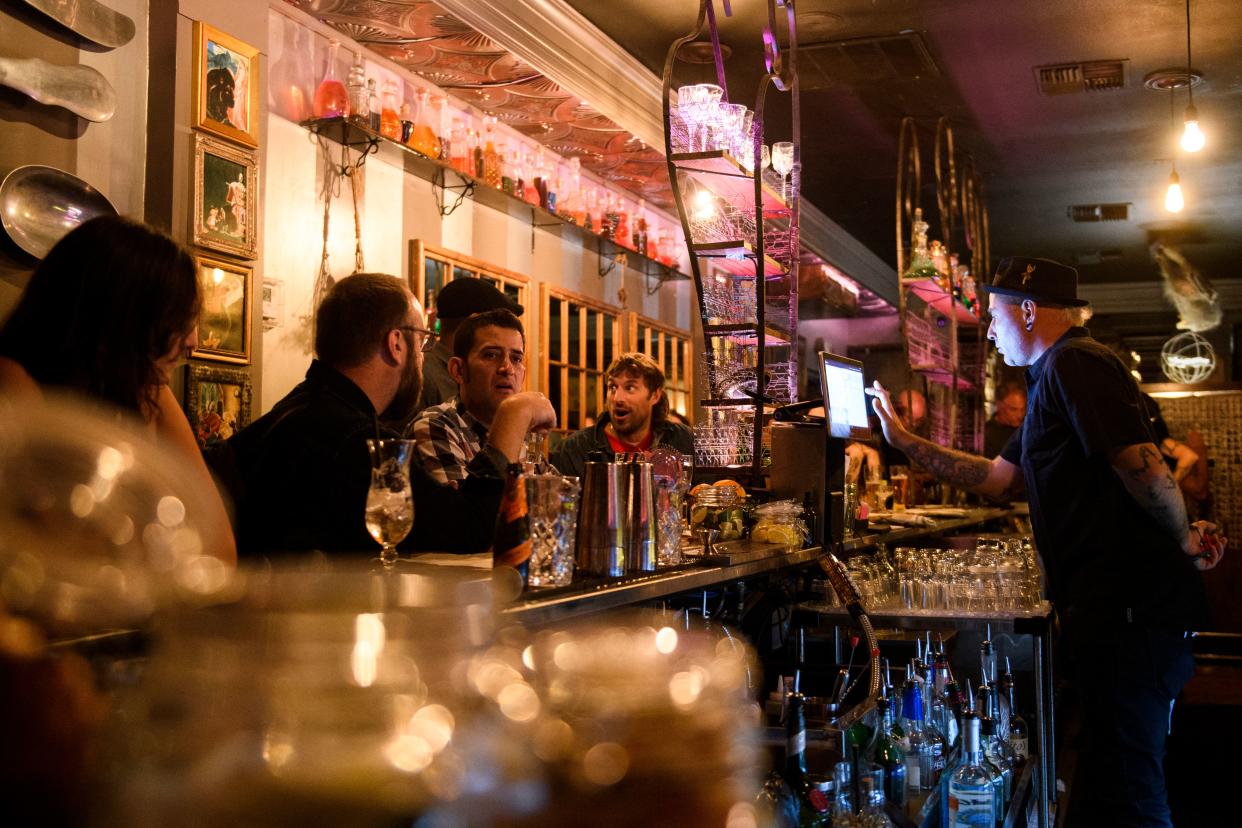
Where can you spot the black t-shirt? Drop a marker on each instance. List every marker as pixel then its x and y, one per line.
pixel 1107 559
pixel 995 437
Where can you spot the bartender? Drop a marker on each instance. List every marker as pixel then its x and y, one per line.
pixel 1122 561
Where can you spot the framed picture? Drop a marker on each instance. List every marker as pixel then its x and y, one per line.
pixel 226 185
pixel 217 403
pixel 224 323
pixel 226 85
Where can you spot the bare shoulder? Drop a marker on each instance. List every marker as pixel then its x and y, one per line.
pixel 14 380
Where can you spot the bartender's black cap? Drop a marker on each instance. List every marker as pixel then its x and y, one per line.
pixel 1040 280
pixel 469 295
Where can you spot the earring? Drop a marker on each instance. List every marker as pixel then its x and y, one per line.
pixel 1030 325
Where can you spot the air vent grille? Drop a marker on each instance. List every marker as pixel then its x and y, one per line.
pixel 1100 212
pixel 1089 76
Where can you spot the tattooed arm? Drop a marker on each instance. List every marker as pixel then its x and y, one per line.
pixel 996 478
pixel 1147 478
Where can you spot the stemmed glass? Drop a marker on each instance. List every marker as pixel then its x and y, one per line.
pixel 390 500
pixel 729 124
pixel 782 161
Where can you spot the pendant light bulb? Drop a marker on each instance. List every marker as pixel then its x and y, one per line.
pixel 1192 137
pixel 1173 200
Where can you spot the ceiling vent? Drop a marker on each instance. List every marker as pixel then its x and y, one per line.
pixel 1090 76
pixel 1099 212
pixel 1095 257
pixel 864 61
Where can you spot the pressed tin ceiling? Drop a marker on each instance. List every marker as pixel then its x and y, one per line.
pixel 421 37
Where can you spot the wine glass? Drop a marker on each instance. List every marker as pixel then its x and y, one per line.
pixel 782 161
pixel 390 501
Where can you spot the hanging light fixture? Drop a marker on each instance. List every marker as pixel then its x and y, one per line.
pixel 1192 136
pixel 1173 199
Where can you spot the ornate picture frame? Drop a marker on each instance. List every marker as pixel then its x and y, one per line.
pixel 224 323
pixel 226 85
pixel 226 197
pixel 217 402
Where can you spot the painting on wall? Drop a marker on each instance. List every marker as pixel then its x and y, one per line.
pixel 224 322
pixel 226 182
pixel 217 403
pixel 226 85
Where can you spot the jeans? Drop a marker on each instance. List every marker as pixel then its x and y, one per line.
pixel 1127 681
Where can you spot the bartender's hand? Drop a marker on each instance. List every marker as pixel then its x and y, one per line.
pixel 516 416
pixel 1205 544
pixel 894 428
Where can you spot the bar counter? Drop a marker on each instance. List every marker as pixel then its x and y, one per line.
pixel 745 558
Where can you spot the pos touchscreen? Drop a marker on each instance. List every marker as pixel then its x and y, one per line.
pixel 845 403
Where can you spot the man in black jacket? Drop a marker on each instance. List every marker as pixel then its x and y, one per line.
pixel 635 418
pixel 303 470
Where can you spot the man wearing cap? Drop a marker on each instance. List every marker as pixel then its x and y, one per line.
pixel 456 302
pixel 1110 526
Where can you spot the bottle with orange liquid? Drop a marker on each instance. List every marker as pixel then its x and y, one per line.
pixel 641 239
pixel 424 139
pixel 530 193
pixel 331 98
pixel 621 232
pixel 491 159
pixel 390 122
pixel 457 147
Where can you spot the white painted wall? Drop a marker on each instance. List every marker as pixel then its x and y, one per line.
pixel 395 207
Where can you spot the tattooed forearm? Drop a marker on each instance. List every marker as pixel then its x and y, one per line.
pixel 1148 480
pixel 966 471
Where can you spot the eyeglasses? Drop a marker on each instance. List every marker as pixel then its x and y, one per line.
pixel 429 337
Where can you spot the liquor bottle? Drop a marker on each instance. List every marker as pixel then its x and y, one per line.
pixel 885 751
pixel 373 105
pixel 987 652
pixel 811 516
pixel 621 233
pixel 943 714
pixel 812 802
pixel 608 227
pixel 511 544
pixel 956 703
pixel 920 779
pixel 356 86
pixel 390 123
pixel 940 262
pixel 475 140
pixel 331 97
pixel 972 799
pixel 530 192
pixel 641 237
pixel 508 182
pixel 920 266
pixel 491 159
pixel 424 138
pixel 407 122
pixel 590 213
pixel 994 756
pixel 458 149
pixel 1018 735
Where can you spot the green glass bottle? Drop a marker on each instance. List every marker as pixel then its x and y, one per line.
pixel 813 810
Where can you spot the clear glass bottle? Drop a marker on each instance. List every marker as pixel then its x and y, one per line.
pixel 972 801
pixel 621 233
pixel 920 779
pixel 641 237
pixel 424 138
pixel 407 122
pixel 491 158
pixel 458 148
pixel 331 97
pixel 390 122
pixel 885 751
pixel 1019 734
pixel 373 105
pixel 356 85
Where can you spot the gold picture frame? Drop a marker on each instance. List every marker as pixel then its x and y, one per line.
pixel 224 322
pixel 226 85
pixel 217 403
pixel 226 197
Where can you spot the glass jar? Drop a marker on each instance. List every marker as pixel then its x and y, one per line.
pixel 331 98
pixel 780 522
pixel 718 508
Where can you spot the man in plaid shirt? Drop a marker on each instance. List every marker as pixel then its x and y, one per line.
pixel 488 365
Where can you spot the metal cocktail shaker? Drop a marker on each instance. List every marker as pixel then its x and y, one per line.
pixel 617 523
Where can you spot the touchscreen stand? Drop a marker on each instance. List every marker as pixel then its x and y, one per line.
pixel 845 410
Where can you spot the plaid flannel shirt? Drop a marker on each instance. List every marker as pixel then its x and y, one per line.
pixel 447 437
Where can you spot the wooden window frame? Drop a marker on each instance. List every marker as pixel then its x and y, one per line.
pixel 604 311
pixel 685 354
pixel 416 275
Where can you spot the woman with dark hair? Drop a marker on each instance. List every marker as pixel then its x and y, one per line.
pixel 109 313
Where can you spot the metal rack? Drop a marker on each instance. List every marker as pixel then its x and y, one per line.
pixel 741 229
pixel 930 325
